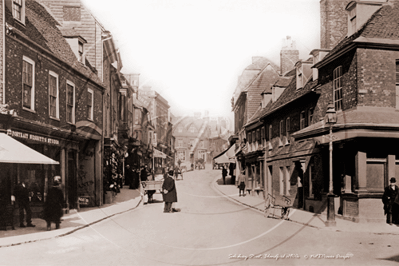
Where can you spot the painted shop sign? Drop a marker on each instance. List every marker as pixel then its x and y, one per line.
pixel 37 138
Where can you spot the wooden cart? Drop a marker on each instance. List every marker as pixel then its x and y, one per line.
pixel 150 187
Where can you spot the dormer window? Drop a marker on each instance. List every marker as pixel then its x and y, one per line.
pixel 299 83
pixel 352 20
pixel 80 51
pixel 18 10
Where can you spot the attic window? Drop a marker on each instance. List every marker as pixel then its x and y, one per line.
pixel 72 13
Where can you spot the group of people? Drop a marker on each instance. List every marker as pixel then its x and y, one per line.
pixel 134 176
pixel 53 205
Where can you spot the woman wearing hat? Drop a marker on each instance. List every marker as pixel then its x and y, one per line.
pixel 391 202
pixel 53 206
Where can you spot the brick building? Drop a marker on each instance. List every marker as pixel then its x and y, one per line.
pixel 58 101
pixel 359 76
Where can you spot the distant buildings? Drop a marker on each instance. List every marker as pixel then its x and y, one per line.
pixel 199 138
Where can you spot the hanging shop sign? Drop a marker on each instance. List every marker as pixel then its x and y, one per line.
pixel 22 135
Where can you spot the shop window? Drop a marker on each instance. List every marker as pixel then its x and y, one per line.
pixel 70 107
pixel 53 95
pixel 337 88
pixel 90 104
pixel 28 83
pixel 375 174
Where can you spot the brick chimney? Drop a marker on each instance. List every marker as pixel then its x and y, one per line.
pixel 333 22
pixel 289 55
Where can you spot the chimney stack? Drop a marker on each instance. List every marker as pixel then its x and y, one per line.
pixel 289 55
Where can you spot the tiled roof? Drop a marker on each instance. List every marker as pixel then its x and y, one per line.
pixel 42 29
pixel 383 24
pixel 289 94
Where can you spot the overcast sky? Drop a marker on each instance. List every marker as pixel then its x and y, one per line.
pixel 192 51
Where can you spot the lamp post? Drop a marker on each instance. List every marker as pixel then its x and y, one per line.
pixel 331 119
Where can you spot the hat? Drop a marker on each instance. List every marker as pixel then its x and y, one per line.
pixel 57 180
pixel 392 180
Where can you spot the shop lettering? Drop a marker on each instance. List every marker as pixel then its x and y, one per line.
pixel 21 135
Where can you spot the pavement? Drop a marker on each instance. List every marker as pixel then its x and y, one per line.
pixel 130 199
pixel 302 217
pixel 126 200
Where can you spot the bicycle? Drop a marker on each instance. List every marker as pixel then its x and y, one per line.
pixel 270 204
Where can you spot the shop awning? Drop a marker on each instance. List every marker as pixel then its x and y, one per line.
pixel 13 151
pixel 159 154
pixel 227 156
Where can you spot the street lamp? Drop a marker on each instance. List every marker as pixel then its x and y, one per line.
pixel 331 119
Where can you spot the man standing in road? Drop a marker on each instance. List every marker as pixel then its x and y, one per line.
pixel 169 193
pixel 224 174
pixel 390 199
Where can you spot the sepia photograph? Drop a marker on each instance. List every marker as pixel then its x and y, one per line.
pixel 199 132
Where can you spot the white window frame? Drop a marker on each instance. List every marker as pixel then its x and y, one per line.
pixel 337 88
pixel 22 10
pixel 192 129
pixel 57 101
pixel 70 83
pixel 32 98
pixel 180 129
pixel 92 104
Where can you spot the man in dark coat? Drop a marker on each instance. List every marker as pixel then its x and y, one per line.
pixel 22 197
pixel 128 176
pixel 53 206
pixel 169 193
pixel 224 174
pixel 390 199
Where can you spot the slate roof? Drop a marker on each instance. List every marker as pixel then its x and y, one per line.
pixel 251 72
pixel 41 28
pixel 383 24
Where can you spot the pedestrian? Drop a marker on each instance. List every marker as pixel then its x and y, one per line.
pixel 169 193
pixel 241 184
pixel 128 176
pixel 22 196
pixel 390 198
pixel 143 174
pixel 298 167
pixel 224 174
pixel 53 205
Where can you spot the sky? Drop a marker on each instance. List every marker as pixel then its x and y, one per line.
pixel 193 51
